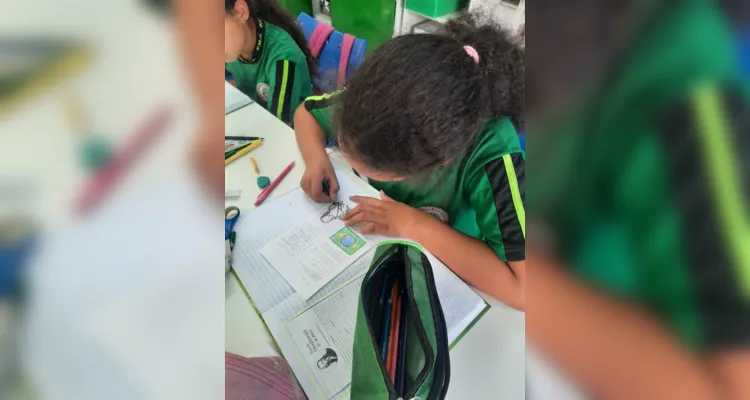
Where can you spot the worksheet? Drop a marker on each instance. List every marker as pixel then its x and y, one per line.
pixel 315 250
pixel 323 336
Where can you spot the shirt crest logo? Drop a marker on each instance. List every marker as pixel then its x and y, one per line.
pixel 438 213
pixel 263 90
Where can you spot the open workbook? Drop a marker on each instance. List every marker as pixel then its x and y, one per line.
pixel 303 271
pixel 234 99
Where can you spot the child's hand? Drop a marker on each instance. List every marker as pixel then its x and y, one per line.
pixel 312 180
pixel 383 217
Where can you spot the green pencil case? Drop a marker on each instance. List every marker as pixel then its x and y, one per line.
pixel 425 372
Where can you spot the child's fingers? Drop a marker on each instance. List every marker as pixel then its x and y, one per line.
pixel 366 201
pixel 334 184
pixel 365 215
pixel 305 185
pixel 316 189
pixel 368 228
pixel 354 211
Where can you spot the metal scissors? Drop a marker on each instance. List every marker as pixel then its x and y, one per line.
pixel 231 214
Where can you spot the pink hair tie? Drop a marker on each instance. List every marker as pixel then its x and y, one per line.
pixel 472 52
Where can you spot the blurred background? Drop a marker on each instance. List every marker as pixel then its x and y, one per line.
pixel 638 127
pixel 108 274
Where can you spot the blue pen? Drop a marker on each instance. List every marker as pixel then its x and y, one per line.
pixel 377 313
pixel 386 329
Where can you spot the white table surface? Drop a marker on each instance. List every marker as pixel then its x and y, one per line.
pixel 489 362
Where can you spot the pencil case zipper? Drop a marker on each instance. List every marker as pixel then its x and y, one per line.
pixel 442 363
pixel 365 297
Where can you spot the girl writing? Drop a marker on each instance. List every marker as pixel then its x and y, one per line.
pixel 428 119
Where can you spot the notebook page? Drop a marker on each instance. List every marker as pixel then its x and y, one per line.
pixel 234 98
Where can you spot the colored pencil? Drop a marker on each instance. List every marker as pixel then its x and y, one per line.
pixel 100 184
pixel 230 153
pixel 392 339
pixel 401 355
pixel 254 145
pixel 378 311
pixel 267 191
pixel 386 329
pixel 242 138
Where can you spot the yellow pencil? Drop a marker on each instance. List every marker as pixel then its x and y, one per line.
pixel 74 112
pixel 254 145
pixel 255 166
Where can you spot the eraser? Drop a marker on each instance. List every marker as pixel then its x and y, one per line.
pixel 263 182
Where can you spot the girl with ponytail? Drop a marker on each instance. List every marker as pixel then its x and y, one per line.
pixel 430 120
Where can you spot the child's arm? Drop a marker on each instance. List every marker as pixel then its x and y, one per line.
pixel 311 140
pixel 616 351
pixel 474 261
pixel 471 259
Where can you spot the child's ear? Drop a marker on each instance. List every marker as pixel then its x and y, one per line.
pixel 241 10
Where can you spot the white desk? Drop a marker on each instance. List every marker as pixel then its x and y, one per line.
pixel 489 362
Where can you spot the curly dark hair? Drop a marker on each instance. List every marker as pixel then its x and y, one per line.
pixel 270 11
pixel 419 101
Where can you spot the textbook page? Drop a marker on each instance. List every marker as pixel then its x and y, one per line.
pixel 313 251
pixel 323 336
pixel 234 99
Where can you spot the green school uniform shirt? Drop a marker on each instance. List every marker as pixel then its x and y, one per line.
pixel 638 185
pixel 277 76
pixel 482 194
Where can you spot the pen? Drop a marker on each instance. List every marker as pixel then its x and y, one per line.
pixel 267 191
pixel 242 138
pixel 102 183
pixel 326 188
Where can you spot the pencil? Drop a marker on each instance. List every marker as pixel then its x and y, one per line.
pixel 242 138
pixel 101 184
pixel 255 166
pixel 391 330
pixel 74 112
pixel 401 355
pixel 254 145
pixel 394 352
pixel 386 330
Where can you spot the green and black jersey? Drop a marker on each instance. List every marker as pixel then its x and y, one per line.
pixel 481 194
pixel 277 75
pixel 647 185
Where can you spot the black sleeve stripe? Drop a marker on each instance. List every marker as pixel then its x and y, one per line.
pixel 509 222
pixel 282 90
pixel 277 87
pixel 714 280
pixel 288 90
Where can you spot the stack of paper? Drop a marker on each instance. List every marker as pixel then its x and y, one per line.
pixel 234 99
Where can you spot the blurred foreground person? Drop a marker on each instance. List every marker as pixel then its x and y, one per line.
pixel 127 301
pixel 639 250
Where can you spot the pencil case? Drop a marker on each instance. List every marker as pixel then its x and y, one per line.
pixel 419 342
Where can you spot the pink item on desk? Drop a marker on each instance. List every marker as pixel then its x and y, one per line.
pixel 267 191
pixel 102 182
pixel 261 378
